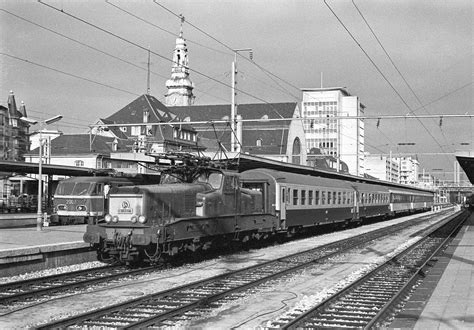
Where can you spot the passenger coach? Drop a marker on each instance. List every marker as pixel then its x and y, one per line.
pixel 304 200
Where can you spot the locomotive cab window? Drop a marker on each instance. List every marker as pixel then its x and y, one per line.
pixel 230 183
pixel 215 180
pixel 97 189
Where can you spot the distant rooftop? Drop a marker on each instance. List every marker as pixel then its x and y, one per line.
pixel 326 89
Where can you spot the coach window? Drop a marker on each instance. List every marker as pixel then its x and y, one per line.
pixel 339 197
pixel 310 197
pixel 295 196
pixel 329 197
pixel 79 163
pixel 323 197
pixel 316 197
pixel 334 198
pixel 344 196
pixel 303 197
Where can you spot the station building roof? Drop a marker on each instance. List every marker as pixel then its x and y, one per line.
pixel 273 135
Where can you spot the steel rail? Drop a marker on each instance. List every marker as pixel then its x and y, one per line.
pixel 21 291
pixel 298 322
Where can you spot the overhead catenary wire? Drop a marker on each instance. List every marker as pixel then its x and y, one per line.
pixel 386 117
pixel 231 49
pixel 380 71
pixel 68 74
pixel 160 28
pixel 100 51
pixel 265 71
pixel 394 65
pixel 148 50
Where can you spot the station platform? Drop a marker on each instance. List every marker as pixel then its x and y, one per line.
pixel 16 220
pixel 26 249
pixel 445 299
pixel 29 237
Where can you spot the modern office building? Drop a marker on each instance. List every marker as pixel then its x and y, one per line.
pixel 409 169
pixel 323 110
pixel 383 168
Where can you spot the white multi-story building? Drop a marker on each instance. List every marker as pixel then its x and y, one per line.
pixel 343 139
pixel 409 169
pixel 383 168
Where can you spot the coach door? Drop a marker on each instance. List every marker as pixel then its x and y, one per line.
pixel 282 202
pixel 355 214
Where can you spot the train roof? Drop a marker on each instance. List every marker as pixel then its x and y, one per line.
pixel 247 162
pixel 299 179
pixel 135 179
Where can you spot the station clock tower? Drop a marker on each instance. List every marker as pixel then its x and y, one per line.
pixel 180 87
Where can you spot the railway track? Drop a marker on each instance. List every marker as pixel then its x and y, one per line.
pixel 373 300
pixel 192 300
pixel 38 289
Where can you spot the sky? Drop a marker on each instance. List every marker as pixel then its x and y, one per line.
pixel 87 59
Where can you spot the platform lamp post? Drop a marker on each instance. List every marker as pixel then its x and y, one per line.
pixel 39 214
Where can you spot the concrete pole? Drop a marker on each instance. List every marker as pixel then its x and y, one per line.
pixel 39 214
pixel 233 110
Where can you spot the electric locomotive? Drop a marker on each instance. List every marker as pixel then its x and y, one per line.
pixel 148 222
pixel 79 200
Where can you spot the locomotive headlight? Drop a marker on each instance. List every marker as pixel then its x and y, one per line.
pixel 134 219
pixel 115 218
pixel 108 218
pixel 81 208
pixel 142 219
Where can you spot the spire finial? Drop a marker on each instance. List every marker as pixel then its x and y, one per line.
pixel 181 28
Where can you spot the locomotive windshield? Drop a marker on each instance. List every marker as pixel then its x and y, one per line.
pixel 74 188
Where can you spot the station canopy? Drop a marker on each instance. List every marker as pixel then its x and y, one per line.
pixel 466 160
pixel 8 167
